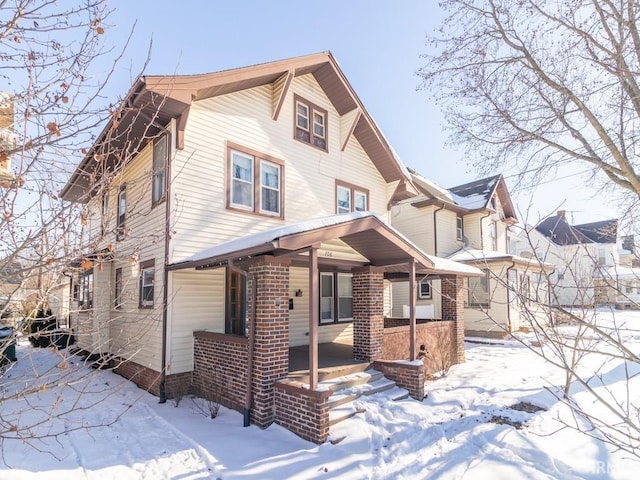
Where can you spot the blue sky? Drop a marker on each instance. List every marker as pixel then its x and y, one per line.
pixel 377 44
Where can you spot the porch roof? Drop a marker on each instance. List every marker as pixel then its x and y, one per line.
pixel 365 232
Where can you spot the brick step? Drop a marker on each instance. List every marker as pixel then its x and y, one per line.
pixel 329 373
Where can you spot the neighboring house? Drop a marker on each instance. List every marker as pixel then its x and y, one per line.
pixel 8 138
pixel 236 215
pixel 593 265
pixel 471 224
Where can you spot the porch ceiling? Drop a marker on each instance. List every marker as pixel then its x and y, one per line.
pixel 364 232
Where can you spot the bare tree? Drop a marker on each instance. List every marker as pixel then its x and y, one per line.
pixel 532 85
pixel 56 60
pixel 528 87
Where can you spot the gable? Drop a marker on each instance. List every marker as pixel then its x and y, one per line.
pixel 154 100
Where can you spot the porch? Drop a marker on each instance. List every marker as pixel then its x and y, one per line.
pixel 284 266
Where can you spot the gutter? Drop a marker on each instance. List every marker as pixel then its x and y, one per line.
pixel 248 398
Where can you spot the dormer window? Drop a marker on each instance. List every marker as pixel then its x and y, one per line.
pixel 310 123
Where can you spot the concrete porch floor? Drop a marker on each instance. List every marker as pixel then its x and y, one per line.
pixel 334 360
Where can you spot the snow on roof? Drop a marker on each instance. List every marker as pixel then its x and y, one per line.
pixel 471 202
pixel 475 255
pixel 266 237
pixel 617 272
pixel 431 187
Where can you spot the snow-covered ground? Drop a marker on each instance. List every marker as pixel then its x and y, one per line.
pixel 113 430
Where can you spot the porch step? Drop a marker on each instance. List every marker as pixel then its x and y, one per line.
pixel 347 389
pixel 328 373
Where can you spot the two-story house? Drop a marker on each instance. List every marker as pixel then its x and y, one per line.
pixel 236 215
pixel 471 223
pixel 592 265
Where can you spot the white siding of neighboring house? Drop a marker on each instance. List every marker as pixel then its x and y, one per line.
pixel 472 229
pixel 415 223
pixel 446 225
pixel 401 298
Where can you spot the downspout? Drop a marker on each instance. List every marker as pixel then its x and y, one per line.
pixel 248 398
pixel 435 230
pixel 70 277
pixel 481 232
pixel 165 271
pixel 509 327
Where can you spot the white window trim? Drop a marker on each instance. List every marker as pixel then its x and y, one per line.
pixel 278 189
pixel 234 179
pixel 424 295
pixel 299 115
pixel 323 124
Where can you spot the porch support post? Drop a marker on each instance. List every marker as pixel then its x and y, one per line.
pixel 412 309
pixel 314 309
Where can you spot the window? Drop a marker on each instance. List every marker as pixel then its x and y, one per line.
pixel 493 233
pixel 255 183
pixel 425 289
pixel 105 212
pixel 117 294
pixel 350 198
pixel 311 123
pixel 336 304
pixel 147 280
pixel 479 290
pixel 122 213
pixel 85 293
pixel 602 256
pixel 235 305
pixel 160 155
pixel 536 293
pixel 459 229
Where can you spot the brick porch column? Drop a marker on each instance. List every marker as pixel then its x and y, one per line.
pixel 453 309
pixel 368 313
pixel 271 343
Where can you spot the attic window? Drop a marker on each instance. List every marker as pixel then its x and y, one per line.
pixel 310 123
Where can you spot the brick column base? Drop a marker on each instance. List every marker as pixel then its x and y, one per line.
pixel 453 309
pixel 368 314
pixel 271 343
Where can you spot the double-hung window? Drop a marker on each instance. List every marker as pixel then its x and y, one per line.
pixel 117 301
pixel 256 182
pixel 350 198
pixel 459 229
pixel 336 297
pixel 160 156
pixel 479 290
pixel 85 299
pixel 147 280
pixel 311 123
pixel 122 213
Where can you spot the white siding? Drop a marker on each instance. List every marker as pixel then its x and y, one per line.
pixel 447 240
pixel 200 217
pixel 197 303
pixel 299 316
pixel 401 298
pixel 416 224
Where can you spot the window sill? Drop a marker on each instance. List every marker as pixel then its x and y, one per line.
pixel 275 216
pixel 325 150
